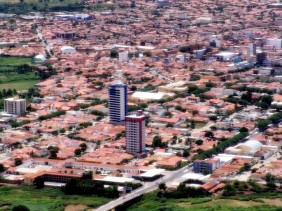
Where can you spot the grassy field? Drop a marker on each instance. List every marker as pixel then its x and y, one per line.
pixel 14 60
pixel 44 199
pixel 14 6
pixel 21 85
pixel 199 125
pixel 51 3
pixel 9 79
pixel 152 203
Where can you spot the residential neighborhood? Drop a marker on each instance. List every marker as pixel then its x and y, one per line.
pixel 134 94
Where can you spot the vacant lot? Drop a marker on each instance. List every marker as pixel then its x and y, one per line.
pixel 152 202
pixel 45 199
pixel 9 77
pixel 14 6
pixel 21 85
pixel 13 60
pixel 38 2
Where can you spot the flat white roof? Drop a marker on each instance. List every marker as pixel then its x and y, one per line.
pixel 225 53
pixel 151 95
pixel 152 173
pixel 232 156
pixel 146 47
pixel 122 46
pixel 33 169
pixel 195 176
pixel 116 179
pixel 224 158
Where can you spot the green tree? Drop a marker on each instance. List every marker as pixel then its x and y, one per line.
pixel 77 152
pixel 62 130
pixel 209 134
pixel 162 186
pixel 2 168
pixel 114 54
pixel 20 208
pixel 199 142
pixel 185 153
pixel 213 118
pixel 18 161
pixel 87 175
pixel 229 190
pixel 83 147
pixel 243 129
pixel 262 124
pixel 169 125
pixel 270 180
pixel 247 97
pixel 157 140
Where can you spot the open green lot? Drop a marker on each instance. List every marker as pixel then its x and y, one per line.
pixel 13 60
pixel 9 76
pixel 15 6
pixel 44 199
pixel 21 85
pixel 152 202
pixel 52 2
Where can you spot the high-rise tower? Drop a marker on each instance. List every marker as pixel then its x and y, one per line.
pixel 135 133
pixel 117 102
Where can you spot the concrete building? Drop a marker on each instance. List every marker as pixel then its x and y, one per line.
pixel 252 48
pixel 123 56
pixel 117 102
pixel 275 42
pixel 65 35
pixel 163 3
pixel 261 57
pixel 252 148
pixel 14 106
pixel 226 56
pixel 135 133
pixel 209 165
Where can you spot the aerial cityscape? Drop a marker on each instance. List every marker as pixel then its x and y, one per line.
pixel 168 105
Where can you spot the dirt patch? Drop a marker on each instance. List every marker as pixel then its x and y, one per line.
pixel 4 207
pixel 274 202
pixel 221 202
pixel 78 207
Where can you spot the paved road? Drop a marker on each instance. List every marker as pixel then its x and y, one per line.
pixel 40 36
pixel 148 187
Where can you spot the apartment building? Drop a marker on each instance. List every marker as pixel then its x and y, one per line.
pixel 117 102
pixel 135 133
pixel 14 106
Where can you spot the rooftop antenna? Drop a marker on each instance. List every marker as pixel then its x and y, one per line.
pixel 118 75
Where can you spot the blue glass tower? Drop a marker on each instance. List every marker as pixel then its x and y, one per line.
pixel 117 102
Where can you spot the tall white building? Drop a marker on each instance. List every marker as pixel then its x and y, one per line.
pixel 14 106
pixel 135 133
pixel 252 48
pixel 117 102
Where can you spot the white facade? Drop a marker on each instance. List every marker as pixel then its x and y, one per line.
pixel 275 42
pixel 222 91
pixel 252 48
pixel 135 133
pixel 14 106
pixel 123 56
